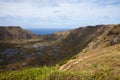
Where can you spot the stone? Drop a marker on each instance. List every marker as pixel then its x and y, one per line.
pixel 1 60
pixel 115 40
pixel 35 46
pixel 39 53
pixel 11 51
pixel 55 49
pixel 24 64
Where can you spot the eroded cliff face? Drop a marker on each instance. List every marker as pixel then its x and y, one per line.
pixel 15 32
pixel 79 38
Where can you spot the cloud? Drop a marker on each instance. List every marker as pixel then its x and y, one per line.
pixel 59 12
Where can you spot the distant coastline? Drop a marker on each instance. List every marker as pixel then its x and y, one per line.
pixel 46 31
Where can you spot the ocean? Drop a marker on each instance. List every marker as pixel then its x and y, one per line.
pixel 46 31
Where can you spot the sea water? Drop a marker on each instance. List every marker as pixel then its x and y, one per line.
pixel 46 31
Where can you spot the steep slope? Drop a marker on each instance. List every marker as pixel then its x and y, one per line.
pixel 74 41
pixel 79 38
pixel 15 32
pixel 103 53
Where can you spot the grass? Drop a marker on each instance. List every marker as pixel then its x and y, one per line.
pixel 28 74
pixel 53 73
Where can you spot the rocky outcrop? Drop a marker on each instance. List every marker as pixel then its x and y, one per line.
pixel 115 34
pixel 115 40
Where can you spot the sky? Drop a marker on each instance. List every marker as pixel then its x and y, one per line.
pixel 58 13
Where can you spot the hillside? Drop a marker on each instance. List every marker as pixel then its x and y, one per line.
pixel 88 53
pixel 74 41
pixel 50 50
pixel 102 53
pixel 15 32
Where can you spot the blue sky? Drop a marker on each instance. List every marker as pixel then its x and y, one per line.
pixel 58 13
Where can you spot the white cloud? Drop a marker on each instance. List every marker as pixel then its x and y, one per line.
pixel 24 9
pixel 57 12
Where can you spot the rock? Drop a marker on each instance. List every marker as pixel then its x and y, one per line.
pixel 41 47
pixel 39 53
pixel 26 46
pixel 56 54
pixel 1 54
pixel 1 60
pixel 10 51
pixel 31 55
pixel 115 40
pixel 55 47
pixel 56 50
pixel 38 47
pixel 35 46
pixel 24 64
pixel 13 69
pixel 46 44
pixel 21 53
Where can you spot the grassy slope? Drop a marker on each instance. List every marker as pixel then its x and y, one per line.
pixel 53 73
pixel 99 45
pixel 98 56
pixel 108 57
pixel 79 38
